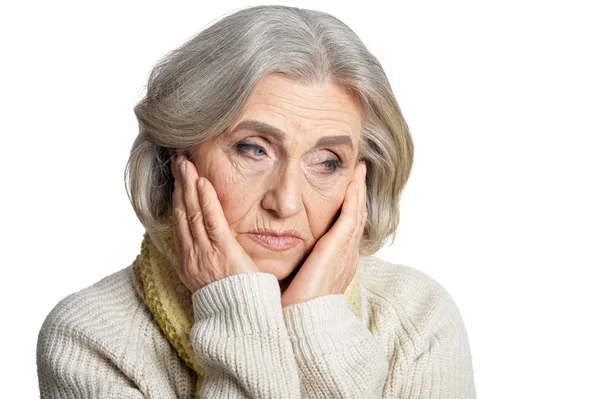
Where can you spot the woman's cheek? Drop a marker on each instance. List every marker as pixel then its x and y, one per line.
pixel 327 207
pixel 231 185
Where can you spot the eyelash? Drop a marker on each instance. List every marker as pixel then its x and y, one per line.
pixel 334 162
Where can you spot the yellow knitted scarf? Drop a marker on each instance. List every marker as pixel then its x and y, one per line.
pixel 156 279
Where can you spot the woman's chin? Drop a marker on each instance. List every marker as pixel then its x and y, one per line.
pixel 284 272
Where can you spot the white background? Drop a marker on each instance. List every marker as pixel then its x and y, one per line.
pixel 502 99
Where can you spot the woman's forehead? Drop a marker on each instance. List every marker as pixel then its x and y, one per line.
pixel 284 108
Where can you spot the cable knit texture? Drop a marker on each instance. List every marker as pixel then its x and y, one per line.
pixel 396 334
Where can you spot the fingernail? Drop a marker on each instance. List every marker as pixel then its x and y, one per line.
pixel 201 182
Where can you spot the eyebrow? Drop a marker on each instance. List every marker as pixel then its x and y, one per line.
pixel 279 135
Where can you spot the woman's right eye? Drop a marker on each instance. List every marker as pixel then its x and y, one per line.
pixel 256 150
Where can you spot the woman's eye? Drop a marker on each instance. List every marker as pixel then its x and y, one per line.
pixel 332 165
pixel 256 150
pixel 329 166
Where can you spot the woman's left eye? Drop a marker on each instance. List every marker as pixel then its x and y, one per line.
pixel 333 164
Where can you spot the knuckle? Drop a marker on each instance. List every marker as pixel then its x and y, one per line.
pixel 211 222
pixel 217 239
pixel 187 189
pixel 178 215
pixel 194 219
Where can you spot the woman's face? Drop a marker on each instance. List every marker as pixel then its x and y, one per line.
pixel 270 173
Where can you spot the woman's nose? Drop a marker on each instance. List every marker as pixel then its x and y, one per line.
pixel 283 197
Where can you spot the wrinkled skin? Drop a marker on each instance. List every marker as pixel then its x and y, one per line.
pixel 256 181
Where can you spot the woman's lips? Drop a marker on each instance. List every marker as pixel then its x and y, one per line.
pixel 275 243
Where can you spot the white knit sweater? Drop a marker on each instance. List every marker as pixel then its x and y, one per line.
pixel 103 342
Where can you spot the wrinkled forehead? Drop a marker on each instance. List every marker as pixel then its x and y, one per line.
pixel 290 112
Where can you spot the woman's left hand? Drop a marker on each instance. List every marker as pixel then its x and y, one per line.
pixel 331 266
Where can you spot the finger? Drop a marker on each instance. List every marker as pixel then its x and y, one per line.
pixel 359 211
pixel 215 222
pixel 348 215
pixel 189 177
pixel 362 209
pixel 181 229
pixel 362 206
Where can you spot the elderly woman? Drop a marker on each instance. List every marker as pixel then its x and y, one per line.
pixel 267 172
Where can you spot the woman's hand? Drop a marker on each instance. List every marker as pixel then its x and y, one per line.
pixel 206 249
pixel 333 261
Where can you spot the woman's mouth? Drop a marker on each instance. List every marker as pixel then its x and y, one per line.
pixel 275 243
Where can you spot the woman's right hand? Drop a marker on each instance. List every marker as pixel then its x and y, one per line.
pixel 206 248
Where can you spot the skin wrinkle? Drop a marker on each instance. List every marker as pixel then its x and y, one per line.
pixel 294 100
pixel 287 186
pixel 318 189
pixel 322 143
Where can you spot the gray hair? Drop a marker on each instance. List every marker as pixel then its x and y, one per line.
pixel 198 90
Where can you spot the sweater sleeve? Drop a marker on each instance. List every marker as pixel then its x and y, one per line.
pixel 337 355
pixel 240 340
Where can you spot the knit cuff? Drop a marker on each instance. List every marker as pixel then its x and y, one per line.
pixel 334 348
pixel 321 315
pixel 241 304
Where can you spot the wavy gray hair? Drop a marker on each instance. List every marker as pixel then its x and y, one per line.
pixel 198 90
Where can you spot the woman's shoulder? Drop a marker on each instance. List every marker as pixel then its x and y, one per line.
pixel 394 278
pixel 103 338
pixel 413 295
pixel 105 306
